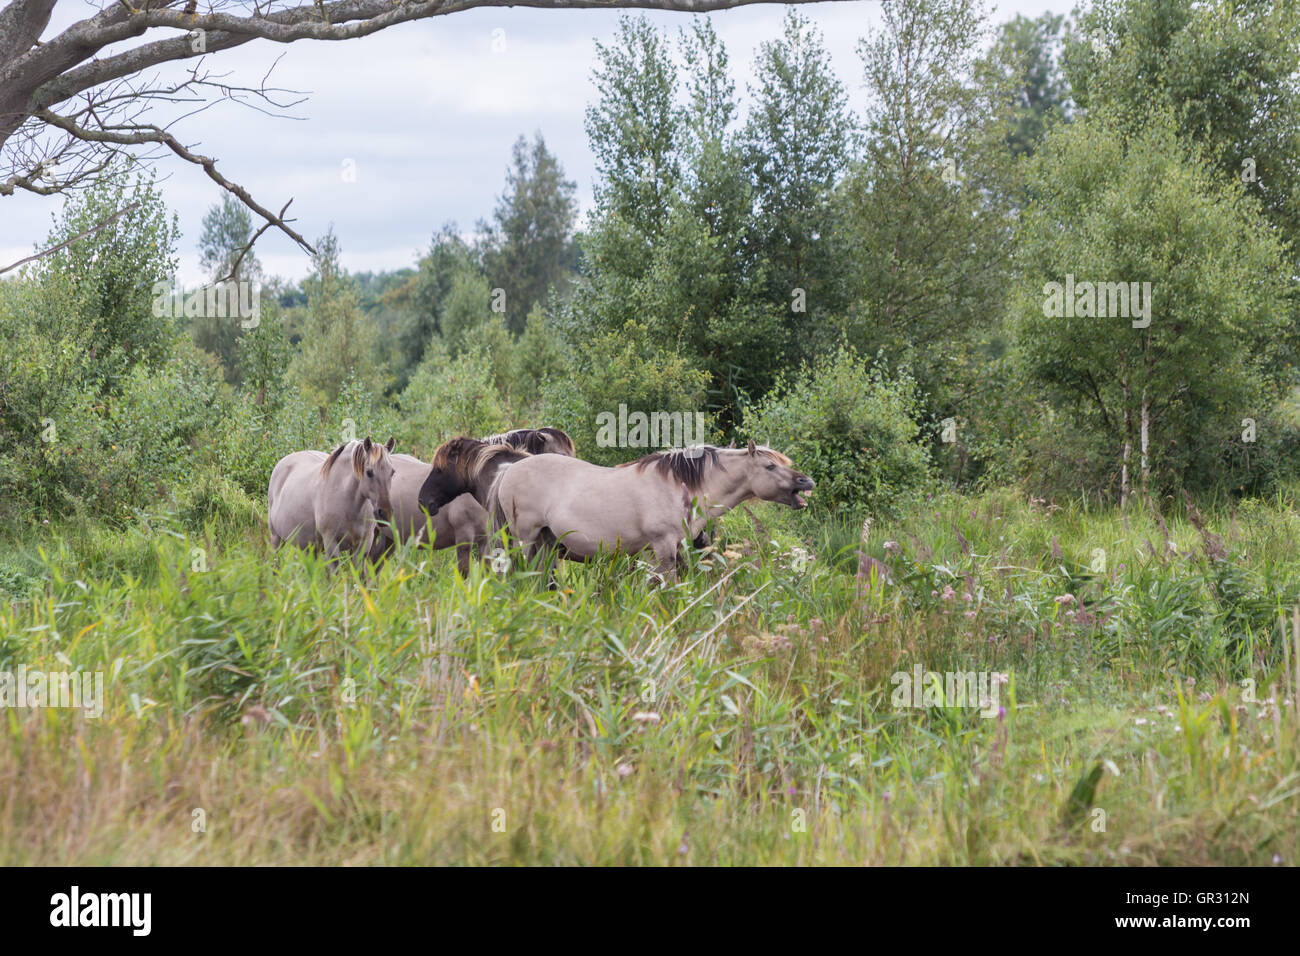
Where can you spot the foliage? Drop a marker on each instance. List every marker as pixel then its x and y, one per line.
pixel 628 369
pixel 851 428
pixel 1145 209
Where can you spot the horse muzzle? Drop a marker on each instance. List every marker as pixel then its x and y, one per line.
pixel 802 484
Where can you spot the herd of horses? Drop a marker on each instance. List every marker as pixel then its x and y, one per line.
pixel 364 499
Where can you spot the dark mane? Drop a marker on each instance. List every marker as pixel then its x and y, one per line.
pixel 535 441
pixel 333 457
pixel 467 457
pixel 687 465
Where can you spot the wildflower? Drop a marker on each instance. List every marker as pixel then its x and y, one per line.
pixel 999 679
pixel 970 615
pixel 1064 599
pixel 948 592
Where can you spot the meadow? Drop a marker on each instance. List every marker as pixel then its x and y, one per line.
pixel 1079 516
pixel 261 709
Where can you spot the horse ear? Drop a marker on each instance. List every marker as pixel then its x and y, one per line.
pixel 392 443
pixel 367 443
pixel 752 447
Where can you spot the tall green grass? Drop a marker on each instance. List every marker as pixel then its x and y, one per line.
pixel 263 708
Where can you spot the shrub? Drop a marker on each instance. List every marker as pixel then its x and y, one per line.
pixel 449 397
pixel 850 427
pixel 621 369
pixel 539 357
pixel 213 498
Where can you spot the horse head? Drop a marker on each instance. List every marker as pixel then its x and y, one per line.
pixel 373 469
pixel 772 477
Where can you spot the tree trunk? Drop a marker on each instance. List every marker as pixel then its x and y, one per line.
pixel 1128 450
pixel 1145 439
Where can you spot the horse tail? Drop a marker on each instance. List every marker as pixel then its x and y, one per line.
pixel 498 518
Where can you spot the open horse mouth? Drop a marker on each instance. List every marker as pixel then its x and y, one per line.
pixel 803 484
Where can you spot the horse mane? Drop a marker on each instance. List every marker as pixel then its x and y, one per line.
pixel 775 455
pixel 333 457
pixel 533 440
pixel 376 453
pixel 469 456
pixel 687 465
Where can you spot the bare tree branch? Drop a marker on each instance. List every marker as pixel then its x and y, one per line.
pixel 153 134
pixel 112 94
pixel 63 245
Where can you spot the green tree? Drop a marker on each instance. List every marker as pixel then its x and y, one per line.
pixel 929 209
pixel 118 276
pixel 337 345
pixel 1227 70
pixel 1031 53
pixel 422 298
pixel 633 128
pixel 227 232
pixel 1166 385
pixel 797 142
pixel 468 305
pixel 529 246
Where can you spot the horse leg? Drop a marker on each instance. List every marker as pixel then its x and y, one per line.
pixel 667 551
pixel 331 545
pixel 548 551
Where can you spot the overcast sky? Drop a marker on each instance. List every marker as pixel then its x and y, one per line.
pixel 427 112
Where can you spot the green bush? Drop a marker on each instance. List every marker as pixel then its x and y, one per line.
pixel 851 428
pixel 213 498
pixel 153 425
pixel 622 369
pixel 449 397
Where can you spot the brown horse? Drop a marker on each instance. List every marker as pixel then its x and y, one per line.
pixel 462 523
pixel 316 500
pixel 470 465
pixel 656 502
pixel 457 518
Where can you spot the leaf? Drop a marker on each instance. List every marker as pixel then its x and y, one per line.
pixel 1081 797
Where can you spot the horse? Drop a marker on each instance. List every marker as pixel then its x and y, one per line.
pixel 457 517
pixel 462 523
pixel 316 502
pixel 470 465
pixel 551 503
pixel 535 441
